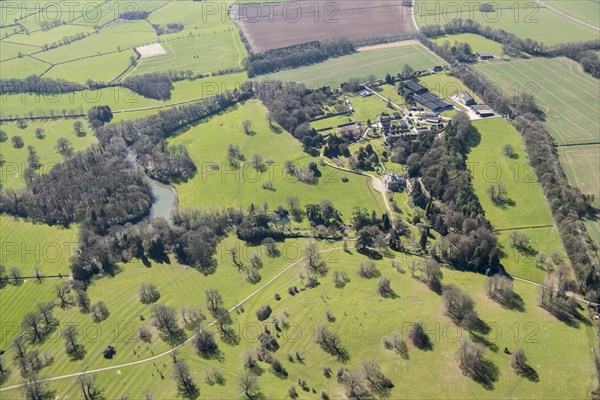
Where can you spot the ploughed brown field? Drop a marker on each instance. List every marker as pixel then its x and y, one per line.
pixel 274 25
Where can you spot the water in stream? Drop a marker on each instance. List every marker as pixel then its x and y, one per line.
pixel 164 197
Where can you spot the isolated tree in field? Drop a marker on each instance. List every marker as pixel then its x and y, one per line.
pixel 471 359
pixel 263 312
pixel 518 360
pixel 78 129
pixel 396 343
pixel 64 147
pixel 63 292
pixel 368 269
pixel 375 379
pixel 21 123
pixel 39 133
pixel 340 278
pixel 100 311
pixel 519 241
pixel 249 360
pixel 355 386
pixel 384 287
pixel 2 161
pixel 99 115
pixel 33 159
pixel 331 343
pixel 46 310
pixel 83 300
pixel 509 151
pixel 459 305
pixel 20 347
pixel 270 247
pixel 164 318
pixel 497 193
pixel 205 344
pixel 419 337
pixel 432 275
pixel 72 345
pixel 256 261
pixel 32 324
pixel 17 142
pixel 145 334
pixel 185 384
pixel 88 387
pixel 3 136
pixel 148 293
pixel 36 388
pixel 500 289
pixel 235 258
pixel 15 275
pixel 247 125
pixel 214 301
pixel 314 262
pixel 249 388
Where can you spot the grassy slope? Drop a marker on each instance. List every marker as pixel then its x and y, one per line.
pixel 208 143
pixel 488 165
pixel 362 319
pixel 103 68
pixel 566 94
pixel 478 43
pixel 376 62
pixel 11 174
pixel 585 10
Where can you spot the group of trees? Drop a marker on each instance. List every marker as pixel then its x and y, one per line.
pixel 444 190
pixel 35 84
pixel 154 85
pixel 168 28
pixel 292 106
pixel 99 180
pixel 297 55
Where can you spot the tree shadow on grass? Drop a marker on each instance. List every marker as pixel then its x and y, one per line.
pixel 528 372
pixel 486 375
pixel 477 338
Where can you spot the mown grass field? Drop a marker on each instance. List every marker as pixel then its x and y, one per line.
pixel 582 166
pixel 23 67
pixel 565 93
pixel 207 143
pixel 377 62
pixel 585 10
pixel 477 43
pixel 488 165
pixel 331 122
pixel 11 173
pixel 362 319
pixel 525 19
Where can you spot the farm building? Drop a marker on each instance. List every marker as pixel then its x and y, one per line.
pixel 421 95
pixel 485 55
pixel 364 93
pixel 466 99
pixel 482 110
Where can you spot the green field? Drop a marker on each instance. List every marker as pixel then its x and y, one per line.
pixel 565 93
pixel 582 166
pixel 585 10
pixel 525 19
pixel 362 64
pixel 529 209
pixel 208 53
pixel 23 67
pixel 93 68
pixel 11 173
pixel 207 143
pixel 331 122
pixel 477 43
pixel 362 319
